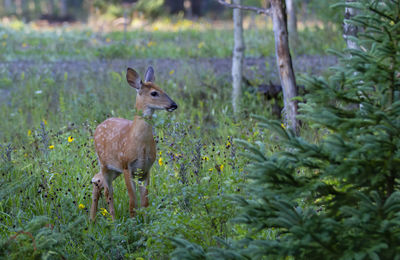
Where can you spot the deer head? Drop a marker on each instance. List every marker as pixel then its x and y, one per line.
pixel 149 96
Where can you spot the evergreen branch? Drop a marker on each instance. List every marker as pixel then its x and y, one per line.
pixel 380 13
pixel 245 7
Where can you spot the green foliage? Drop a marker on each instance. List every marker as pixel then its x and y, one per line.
pixel 336 197
pixel 20 41
pixel 57 85
pixel 152 8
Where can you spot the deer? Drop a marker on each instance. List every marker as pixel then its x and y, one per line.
pixel 128 147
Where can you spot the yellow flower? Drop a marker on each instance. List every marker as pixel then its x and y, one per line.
pixel 283 126
pixel 151 43
pixel 81 206
pixel 205 158
pixel 29 132
pixel 155 28
pixel 51 147
pixel 24 45
pixel 200 45
pixel 108 40
pixel 228 144
pixel 70 139
pixel 210 169
pixel 171 72
pixel 160 161
pixel 221 167
pixel 45 121
pixel 104 212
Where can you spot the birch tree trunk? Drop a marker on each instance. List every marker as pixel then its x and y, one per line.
pixel 237 59
pixel 292 21
pixel 349 29
pixel 284 63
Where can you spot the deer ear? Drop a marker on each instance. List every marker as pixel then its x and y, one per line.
pixel 133 78
pixel 149 77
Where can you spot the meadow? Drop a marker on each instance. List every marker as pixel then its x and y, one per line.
pixel 58 84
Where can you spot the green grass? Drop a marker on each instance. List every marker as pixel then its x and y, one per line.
pixel 45 178
pixel 24 42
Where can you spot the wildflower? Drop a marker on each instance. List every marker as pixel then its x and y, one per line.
pixel 29 132
pixel 228 144
pixel 44 121
pixel 283 126
pixel 210 169
pixel 24 45
pixel 171 72
pixel 221 167
pixel 205 158
pixel 38 92
pixel 104 212
pixel 155 28
pixel 81 206
pixel 108 40
pixel 70 139
pixel 200 45
pixel 160 161
pixel 51 147
pixel 151 43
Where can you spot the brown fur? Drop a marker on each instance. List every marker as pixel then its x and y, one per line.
pixel 128 147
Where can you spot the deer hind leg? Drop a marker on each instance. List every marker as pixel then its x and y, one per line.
pixel 131 187
pixel 108 190
pixel 144 200
pixel 97 182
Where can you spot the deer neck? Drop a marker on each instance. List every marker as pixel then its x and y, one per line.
pixel 141 127
pixel 145 111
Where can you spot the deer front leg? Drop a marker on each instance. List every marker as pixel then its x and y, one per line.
pixel 144 200
pixel 131 187
pixel 97 182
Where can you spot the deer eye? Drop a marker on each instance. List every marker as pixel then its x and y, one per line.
pixel 154 93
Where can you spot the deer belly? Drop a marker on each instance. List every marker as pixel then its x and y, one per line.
pixel 141 167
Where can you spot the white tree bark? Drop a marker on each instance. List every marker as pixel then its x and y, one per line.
pixel 237 59
pixel 292 19
pixel 284 63
pixel 349 30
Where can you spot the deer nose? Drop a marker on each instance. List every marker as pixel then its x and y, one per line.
pixel 172 107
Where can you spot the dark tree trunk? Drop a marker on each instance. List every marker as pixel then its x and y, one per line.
pixel 284 62
pixel 197 7
pixel 63 8
pixel 175 6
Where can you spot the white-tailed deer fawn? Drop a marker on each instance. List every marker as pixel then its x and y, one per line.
pixel 128 147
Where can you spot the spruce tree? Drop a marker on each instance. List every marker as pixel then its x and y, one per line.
pixel 337 197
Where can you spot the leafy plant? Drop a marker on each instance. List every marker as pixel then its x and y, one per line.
pixel 337 197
